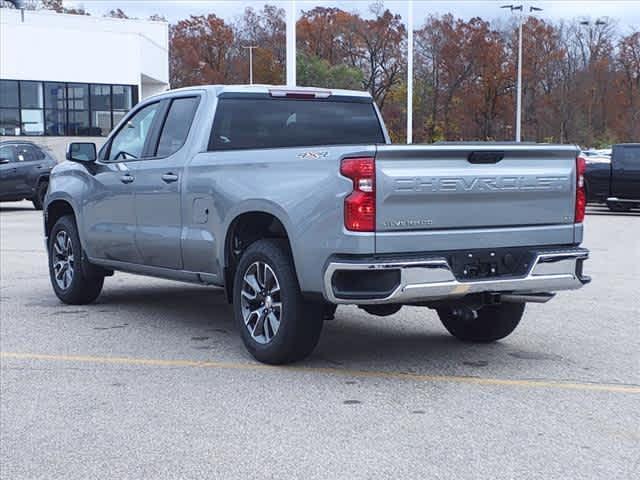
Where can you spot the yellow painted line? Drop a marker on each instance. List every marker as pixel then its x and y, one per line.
pixel 593 387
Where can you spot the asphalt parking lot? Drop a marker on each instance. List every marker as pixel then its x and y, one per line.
pixel 152 381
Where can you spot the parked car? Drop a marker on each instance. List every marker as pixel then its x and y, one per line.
pixel 294 201
pixel 24 172
pixel 615 181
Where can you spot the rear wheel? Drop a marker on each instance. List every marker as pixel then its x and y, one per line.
pixel 41 192
pixel 75 281
pixel 487 324
pixel 276 323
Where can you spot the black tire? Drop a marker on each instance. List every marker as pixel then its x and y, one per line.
pixel 86 280
pixel 41 192
pixel 492 322
pixel 300 321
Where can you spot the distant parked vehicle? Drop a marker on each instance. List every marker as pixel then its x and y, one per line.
pixel 604 152
pixel 596 156
pixel 24 172
pixel 615 181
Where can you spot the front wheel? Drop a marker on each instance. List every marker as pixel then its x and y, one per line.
pixel 41 192
pixel 74 280
pixel 276 323
pixel 487 324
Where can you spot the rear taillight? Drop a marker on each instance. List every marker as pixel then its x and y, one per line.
pixel 581 196
pixel 360 205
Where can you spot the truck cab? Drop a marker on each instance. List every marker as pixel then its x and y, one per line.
pixel 615 182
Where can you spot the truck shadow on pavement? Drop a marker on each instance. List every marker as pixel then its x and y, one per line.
pixel 353 340
pixel 192 305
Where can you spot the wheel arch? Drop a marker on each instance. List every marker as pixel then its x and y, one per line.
pixel 54 210
pixel 243 230
pixel 42 178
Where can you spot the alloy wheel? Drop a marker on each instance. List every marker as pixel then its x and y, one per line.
pixel 261 302
pixel 63 260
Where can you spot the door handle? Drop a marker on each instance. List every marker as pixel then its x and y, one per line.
pixel 169 177
pixel 127 178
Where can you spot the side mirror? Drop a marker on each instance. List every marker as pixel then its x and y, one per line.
pixel 4 160
pixel 82 152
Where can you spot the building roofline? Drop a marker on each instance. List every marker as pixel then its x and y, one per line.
pixel 13 11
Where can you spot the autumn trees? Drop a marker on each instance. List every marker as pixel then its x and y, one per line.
pixel 629 84
pixel 581 80
pixel 574 76
pixel 206 49
pixel 581 83
pixel 368 52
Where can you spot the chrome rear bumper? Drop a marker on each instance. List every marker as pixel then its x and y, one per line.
pixel 433 278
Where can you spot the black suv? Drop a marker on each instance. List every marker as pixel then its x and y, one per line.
pixel 24 172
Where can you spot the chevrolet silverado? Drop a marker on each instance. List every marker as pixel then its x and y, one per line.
pixel 295 201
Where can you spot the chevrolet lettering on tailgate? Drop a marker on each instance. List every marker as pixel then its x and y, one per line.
pixel 482 184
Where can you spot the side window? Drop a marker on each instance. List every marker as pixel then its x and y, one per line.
pixel 128 143
pixel 176 126
pixel 25 153
pixel 6 153
pixel 39 154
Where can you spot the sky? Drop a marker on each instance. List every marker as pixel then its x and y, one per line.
pixel 625 12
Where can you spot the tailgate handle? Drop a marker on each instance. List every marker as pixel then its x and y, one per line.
pixel 485 157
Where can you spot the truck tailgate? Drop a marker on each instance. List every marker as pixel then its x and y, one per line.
pixel 473 189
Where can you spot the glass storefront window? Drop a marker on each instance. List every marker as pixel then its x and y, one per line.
pixel 9 94
pixel 117 116
pixel 55 122
pixel 32 122
pixel 55 96
pixel 9 121
pixel 100 97
pixel 78 95
pixel 79 124
pixel 29 107
pixel 101 120
pixel 122 97
pixel 31 95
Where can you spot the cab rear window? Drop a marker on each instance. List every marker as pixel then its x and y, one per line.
pixel 247 123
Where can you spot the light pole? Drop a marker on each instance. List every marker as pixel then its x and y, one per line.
pixel 519 81
pixel 250 48
pixel 19 4
pixel 593 49
pixel 598 22
pixel 587 23
pixel 410 73
pixel 292 16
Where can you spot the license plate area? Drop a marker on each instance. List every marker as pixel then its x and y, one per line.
pixel 473 265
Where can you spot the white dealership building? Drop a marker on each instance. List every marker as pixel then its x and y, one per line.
pixel 65 76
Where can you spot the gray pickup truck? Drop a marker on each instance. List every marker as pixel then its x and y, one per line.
pixel 294 201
